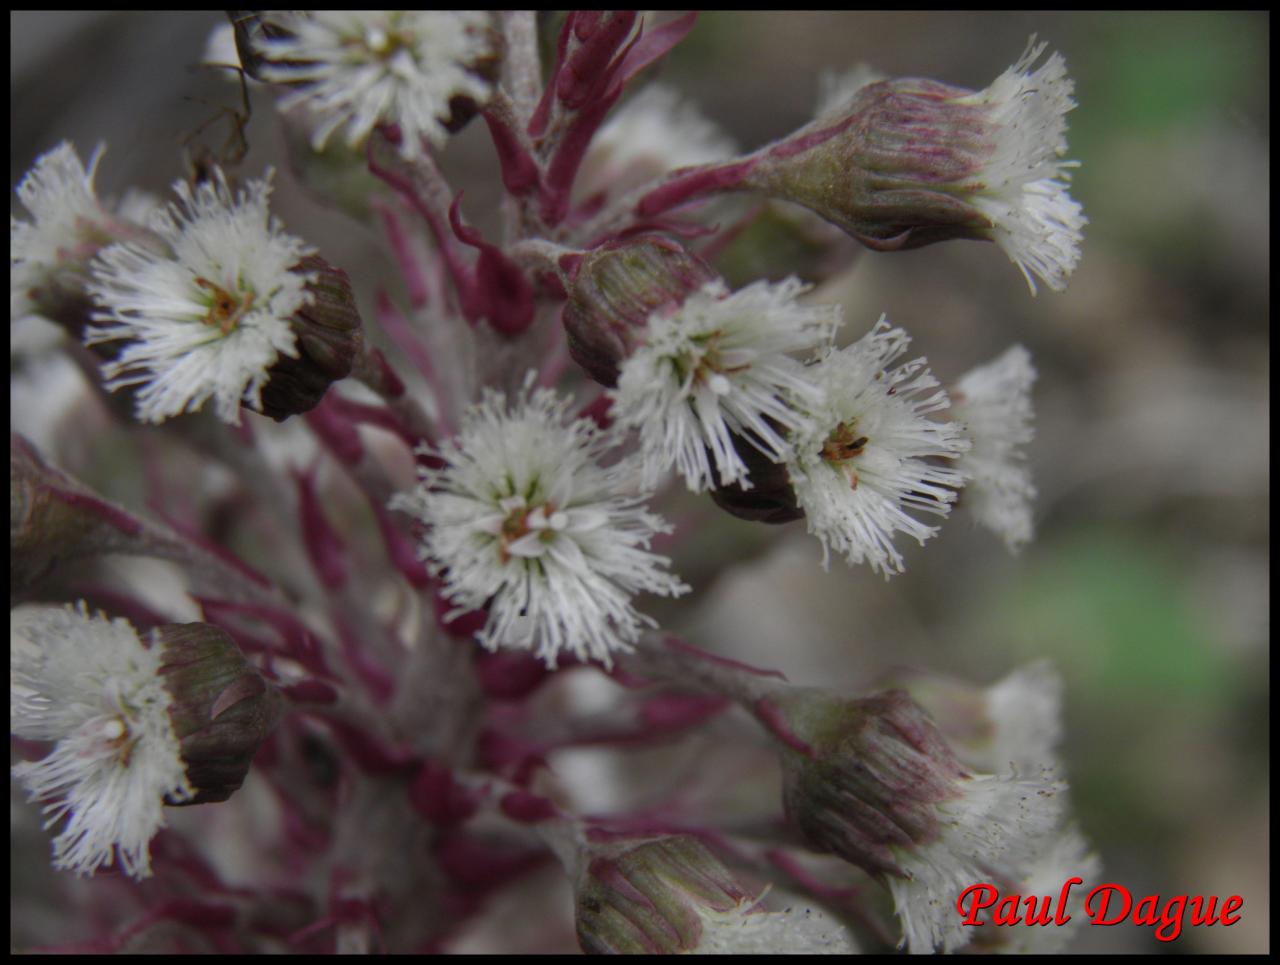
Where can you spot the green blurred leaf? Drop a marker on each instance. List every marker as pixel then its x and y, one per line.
pixel 1120 607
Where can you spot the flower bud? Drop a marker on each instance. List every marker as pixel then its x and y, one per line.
pixel 329 337
pixel 221 708
pixel 135 725
pixel 911 162
pixel 875 771
pixel 614 291
pixel 873 781
pixel 765 495
pixel 655 897
pixel 669 895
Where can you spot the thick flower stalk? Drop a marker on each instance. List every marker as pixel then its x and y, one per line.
pixel 525 520
pixel 206 317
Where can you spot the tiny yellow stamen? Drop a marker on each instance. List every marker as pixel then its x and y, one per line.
pixel 842 444
pixel 226 310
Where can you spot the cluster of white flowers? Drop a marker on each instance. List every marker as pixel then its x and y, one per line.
pixel 853 431
pixel 530 516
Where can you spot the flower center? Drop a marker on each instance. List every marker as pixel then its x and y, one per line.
pixel 383 44
pixel 225 308
pixel 707 367
pixel 543 520
pixel 515 525
pixel 843 445
pixel 113 737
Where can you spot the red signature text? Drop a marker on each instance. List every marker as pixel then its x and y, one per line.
pixel 1107 904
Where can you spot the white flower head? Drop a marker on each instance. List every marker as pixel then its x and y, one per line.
pixel 362 68
pixel 719 366
pixel 526 520
pixel 861 468
pixel 993 404
pixel 209 316
pixel 90 685
pixel 993 829
pixel 653 133
pixel 1025 181
pixel 68 224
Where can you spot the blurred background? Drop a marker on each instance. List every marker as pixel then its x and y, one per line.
pixel 1147 584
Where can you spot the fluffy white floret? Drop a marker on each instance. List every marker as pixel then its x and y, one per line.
pixel 1037 223
pixel 525 520
pixel 862 466
pixel 1025 710
pixel 67 224
pixel 362 68
pixel 1067 855
pixel 723 365
pixel 205 314
pixel 90 685
pixel 995 827
pixel 993 404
